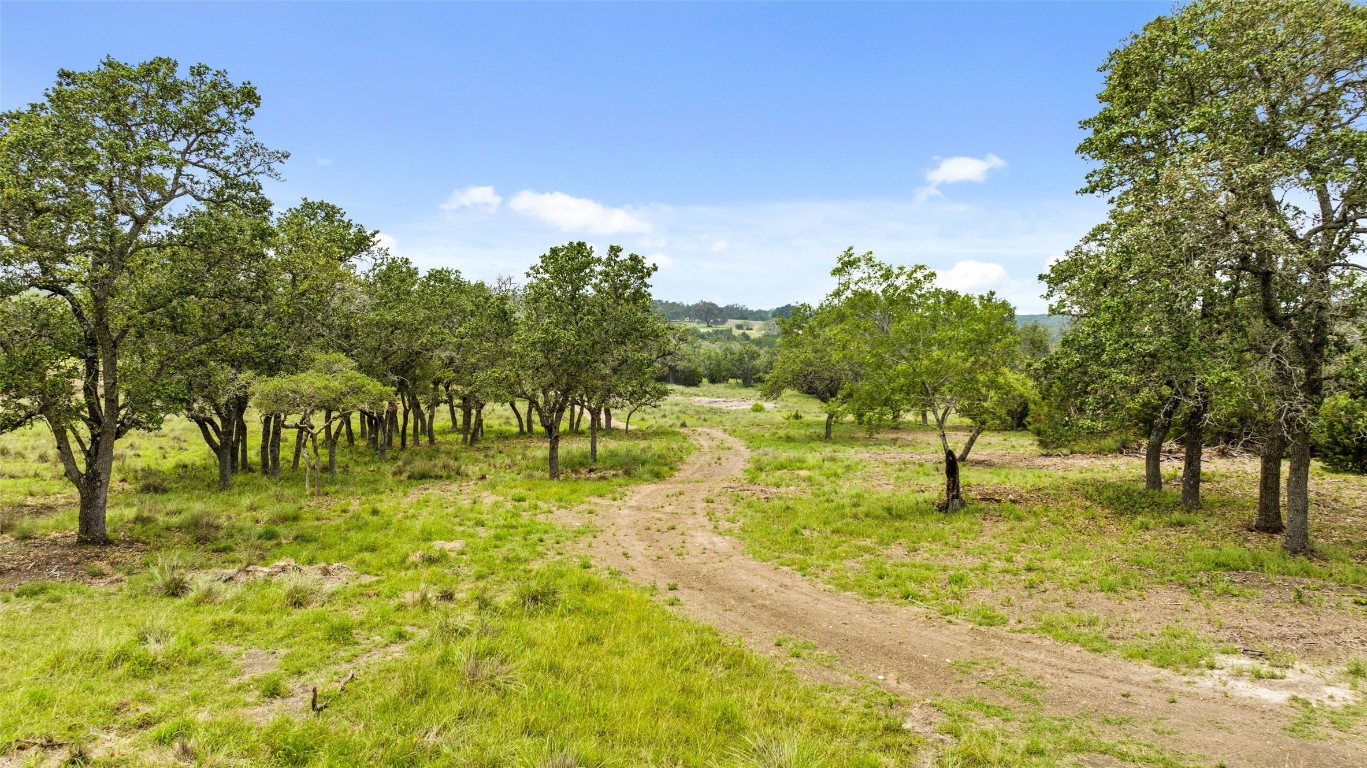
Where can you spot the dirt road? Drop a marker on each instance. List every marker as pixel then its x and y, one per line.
pixel 661 534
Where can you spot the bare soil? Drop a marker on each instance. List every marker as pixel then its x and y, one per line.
pixel 59 557
pixel 664 534
pixel 729 403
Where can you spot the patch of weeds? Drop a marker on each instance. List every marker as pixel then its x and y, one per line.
pixel 199 524
pixel 24 530
pixel 489 671
pixel 1318 721
pixel 271 685
pixel 151 480
pixel 301 590
pixel 206 592
pixel 786 751
pixel 1173 648
pixel 169 577
pixel 984 615
pixel 537 593
pixel 1084 629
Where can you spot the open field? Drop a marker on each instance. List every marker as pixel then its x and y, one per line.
pixel 451 607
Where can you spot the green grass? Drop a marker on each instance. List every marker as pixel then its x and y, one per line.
pixel 858 512
pixel 511 649
pixel 503 651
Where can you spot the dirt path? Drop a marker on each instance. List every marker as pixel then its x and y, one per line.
pixel 661 534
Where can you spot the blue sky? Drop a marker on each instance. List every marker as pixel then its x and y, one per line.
pixel 741 146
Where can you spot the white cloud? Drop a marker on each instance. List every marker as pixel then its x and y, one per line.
pixel 478 198
pixel 952 170
pixel 974 277
pixel 324 160
pixel 577 214
pixel 661 260
pixel 718 246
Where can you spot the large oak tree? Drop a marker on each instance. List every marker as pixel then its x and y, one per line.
pixel 96 182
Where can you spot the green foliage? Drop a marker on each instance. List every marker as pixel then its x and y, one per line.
pixel 1230 144
pixel 116 192
pixel 1341 433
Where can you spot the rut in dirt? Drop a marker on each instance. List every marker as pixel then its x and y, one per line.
pixel 661 534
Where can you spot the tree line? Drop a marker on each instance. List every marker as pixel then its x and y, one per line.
pixel 709 313
pixel 143 273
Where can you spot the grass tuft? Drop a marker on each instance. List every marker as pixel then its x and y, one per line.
pixel 169 576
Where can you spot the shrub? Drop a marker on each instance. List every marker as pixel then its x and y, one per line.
pixel 757 407
pixel 1341 433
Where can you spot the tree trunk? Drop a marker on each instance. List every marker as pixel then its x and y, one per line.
pixel 513 405
pixel 403 427
pixel 953 492
pixel 607 420
pixel 1297 540
pixel 298 448
pixel 940 418
pixel 593 436
pixel 1153 453
pixel 451 408
pixel 350 436
pixel 94 494
pixel 243 465
pixel 221 446
pixel 1194 444
pixel 228 434
pixel 431 423
pixel 332 453
pixel 1269 486
pixel 554 457
pixel 465 409
pixel 277 425
pixel 925 418
pixel 830 420
pixel 972 438
pixel 227 454
pixel 266 445
pixel 479 421
pixel 419 423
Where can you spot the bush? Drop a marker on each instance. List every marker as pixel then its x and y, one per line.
pixel 757 407
pixel 1341 433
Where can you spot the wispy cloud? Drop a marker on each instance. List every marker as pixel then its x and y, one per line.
pixel 477 198
pixel 767 254
pixel 323 160
pixel 953 170
pixel 577 214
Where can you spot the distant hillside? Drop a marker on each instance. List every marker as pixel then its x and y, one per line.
pixel 1056 324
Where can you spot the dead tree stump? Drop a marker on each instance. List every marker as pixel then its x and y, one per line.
pixel 954 499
